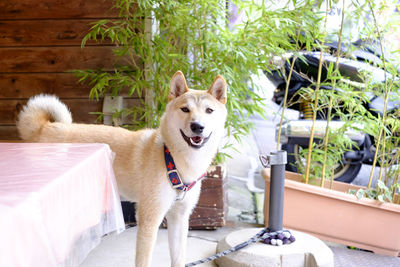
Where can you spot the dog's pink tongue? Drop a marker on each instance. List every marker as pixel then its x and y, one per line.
pixel 196 139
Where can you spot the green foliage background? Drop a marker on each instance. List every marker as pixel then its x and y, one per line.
pixel 193 36
pixel 372 22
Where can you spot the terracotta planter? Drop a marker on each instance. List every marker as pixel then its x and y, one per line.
pixel 334 215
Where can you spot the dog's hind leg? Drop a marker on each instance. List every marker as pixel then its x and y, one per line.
pixel 149 217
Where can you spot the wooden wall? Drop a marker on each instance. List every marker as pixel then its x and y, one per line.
pixel 39 41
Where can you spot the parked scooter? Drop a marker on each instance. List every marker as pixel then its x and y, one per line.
pixel 295 134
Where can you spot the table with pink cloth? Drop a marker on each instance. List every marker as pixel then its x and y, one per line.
pixel 56 202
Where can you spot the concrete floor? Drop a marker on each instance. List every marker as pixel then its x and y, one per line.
pixel 119 250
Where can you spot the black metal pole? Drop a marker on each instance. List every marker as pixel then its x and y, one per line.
pixel 276 190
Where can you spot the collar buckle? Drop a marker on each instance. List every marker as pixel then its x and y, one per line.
pixel 175 179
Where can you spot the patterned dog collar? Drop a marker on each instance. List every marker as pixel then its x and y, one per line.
pixel 173 174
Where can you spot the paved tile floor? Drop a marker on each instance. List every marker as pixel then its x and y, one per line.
pixel 119 250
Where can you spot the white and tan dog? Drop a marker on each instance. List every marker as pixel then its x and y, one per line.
pixel 191 129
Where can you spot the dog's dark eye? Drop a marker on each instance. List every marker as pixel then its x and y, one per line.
pixel 185 109
pixel 209 110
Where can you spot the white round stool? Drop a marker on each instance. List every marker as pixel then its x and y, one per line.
pixel 306 251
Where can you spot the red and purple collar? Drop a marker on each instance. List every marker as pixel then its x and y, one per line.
pixel 173 174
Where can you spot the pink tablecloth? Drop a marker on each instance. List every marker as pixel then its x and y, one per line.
pixel 56 201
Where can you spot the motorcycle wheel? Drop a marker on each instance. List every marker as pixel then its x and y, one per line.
pixel 343 173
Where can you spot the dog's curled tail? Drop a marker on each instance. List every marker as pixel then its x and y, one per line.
pixel 40 110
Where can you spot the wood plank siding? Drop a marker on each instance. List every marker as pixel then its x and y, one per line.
pixel 40 41
pixel 56 9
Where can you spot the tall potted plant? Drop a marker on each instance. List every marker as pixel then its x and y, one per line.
pixel 154 39
pixel 314 203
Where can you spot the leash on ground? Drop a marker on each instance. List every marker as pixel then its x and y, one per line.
pixel 264 234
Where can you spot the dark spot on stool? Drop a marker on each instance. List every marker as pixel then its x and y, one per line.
pixel 52 61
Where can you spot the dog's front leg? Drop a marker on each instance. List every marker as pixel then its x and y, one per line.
pixel 178 226
pixel 149 216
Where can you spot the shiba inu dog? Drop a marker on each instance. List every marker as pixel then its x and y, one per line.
pixel 157 168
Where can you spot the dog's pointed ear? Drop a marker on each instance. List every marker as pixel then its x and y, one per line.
pixel 218 89
pixel 178 86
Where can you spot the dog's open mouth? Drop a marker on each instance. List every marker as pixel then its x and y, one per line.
pixel 195 141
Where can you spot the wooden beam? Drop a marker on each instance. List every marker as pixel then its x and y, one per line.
pixel 80 109
pixel 56 9
pixel 64 85
pixel 9 132
pixel 56 59
pixel 28 33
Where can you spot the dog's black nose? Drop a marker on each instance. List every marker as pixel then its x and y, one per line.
pixel 196 127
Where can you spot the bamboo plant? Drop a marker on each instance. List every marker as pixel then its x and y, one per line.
pixel 384 129
pixel 156 38
pixel 153 39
